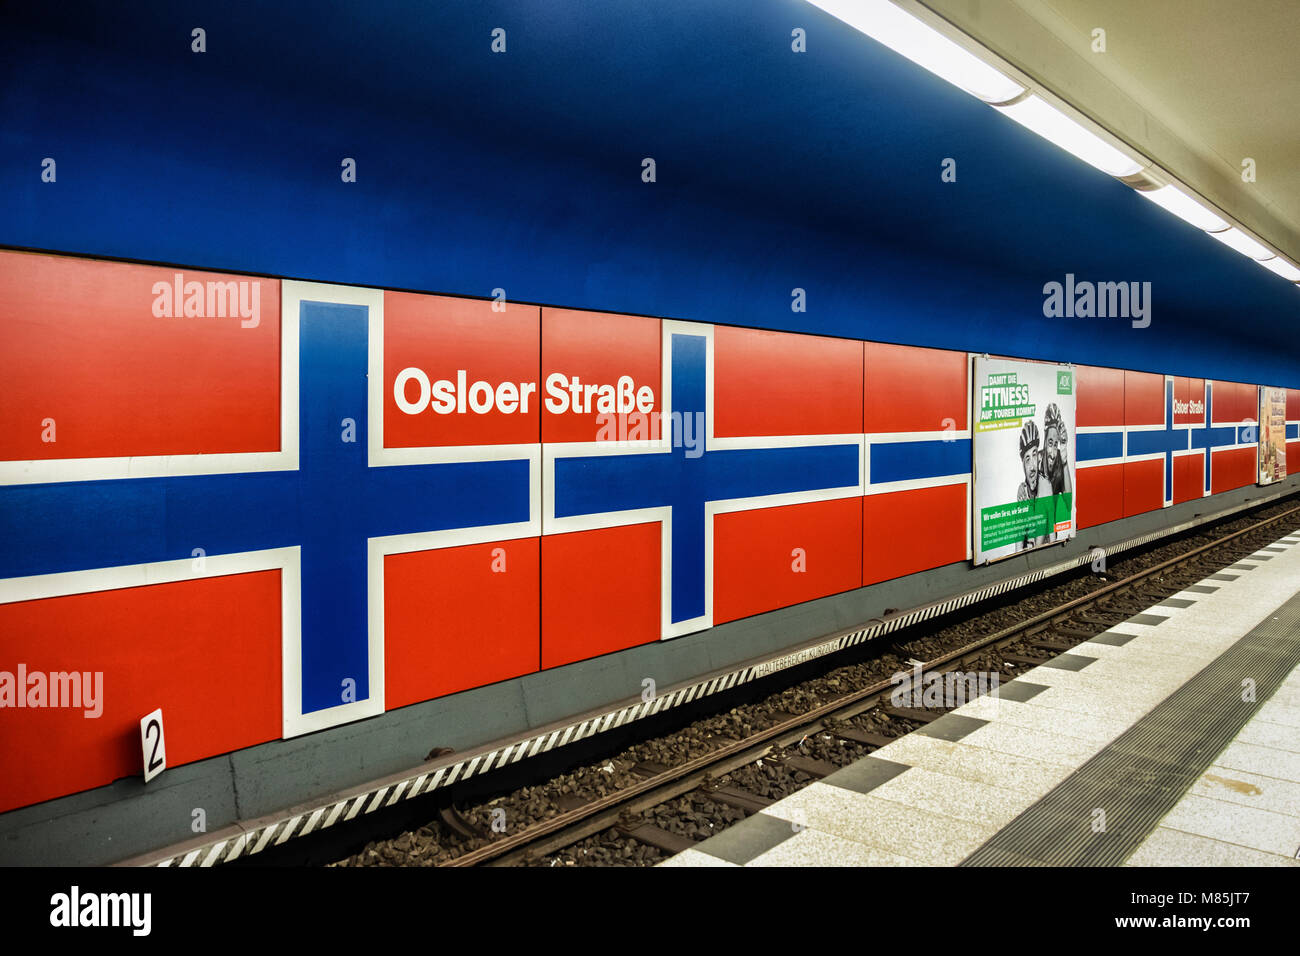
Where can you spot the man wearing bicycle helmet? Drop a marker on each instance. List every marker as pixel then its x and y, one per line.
pixel 1056 451
pixel 1035 484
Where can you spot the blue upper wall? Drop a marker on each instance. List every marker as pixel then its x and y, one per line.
pixel 522 171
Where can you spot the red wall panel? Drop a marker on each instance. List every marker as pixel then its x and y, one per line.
pixel 911 389
pixel 1143 486
pixel 1144 398
pixel 778 383
pixel 600 592
pixel 454 620
pixel 1189 400
pixel 1100 494
pixel 127 381
pixel 1234 469
pixel 909 531
pixel 1235 402
pixel 1144 404
pixel 1189 478
pixel 216 676
pixel 754 560
pixel 1099 397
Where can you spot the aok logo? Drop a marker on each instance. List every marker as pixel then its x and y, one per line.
pixel 564 394
pixel 236 299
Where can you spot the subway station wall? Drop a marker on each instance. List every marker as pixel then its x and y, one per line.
pixel 270 506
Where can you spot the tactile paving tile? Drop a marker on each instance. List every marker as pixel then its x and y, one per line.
pixel 1139 777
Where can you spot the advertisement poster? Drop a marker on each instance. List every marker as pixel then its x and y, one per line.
pixel 1272 434
pixel 1024 456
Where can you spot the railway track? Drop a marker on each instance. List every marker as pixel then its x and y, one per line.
pixel 862 719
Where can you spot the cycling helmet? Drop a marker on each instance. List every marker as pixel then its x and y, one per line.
pixel 1028 437
pixel 1052 419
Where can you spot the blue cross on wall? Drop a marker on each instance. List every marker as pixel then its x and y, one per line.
pixel 330 506
pixel 684 479
pixel 1212 436
pixel 1166 441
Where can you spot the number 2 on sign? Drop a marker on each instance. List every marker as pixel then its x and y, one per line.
pixel 152 745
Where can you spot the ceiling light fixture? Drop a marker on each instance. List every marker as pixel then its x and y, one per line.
pixel 1236 239
pixel 1184 207
pixel 1050 123
pixel 1282 267
pixel 924 46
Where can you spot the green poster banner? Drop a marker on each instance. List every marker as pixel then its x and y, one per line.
pixel 1002 525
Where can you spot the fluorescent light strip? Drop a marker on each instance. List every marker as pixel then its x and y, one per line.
pixel 1050 123
pixel 1236 239
pixel 924 46
pixel 1283 268
pixel 1184 207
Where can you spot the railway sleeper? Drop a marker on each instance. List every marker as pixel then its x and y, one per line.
pixel 1050 645
pixel 912 713
pixel 866 737
pixel 810 766
pixel 651 835
pixel 739 798
pixel 1022 659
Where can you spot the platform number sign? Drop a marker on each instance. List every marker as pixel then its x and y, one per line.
pixel 152 745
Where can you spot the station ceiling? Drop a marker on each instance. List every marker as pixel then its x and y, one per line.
pixel 1200 85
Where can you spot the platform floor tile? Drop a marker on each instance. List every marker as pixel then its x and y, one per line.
pixel 1098 701
pixel 1280 713
pixel 1167 847
pixel 1249 790
pixel 1266 761
pixel 812 847
pixel 1092 728
pixel 1265 733
pixel 696 858
pixel 955 797
pixel 1251 827
pixel 1023 742
pixel 1019 691
pixel 1032 776
pixel 1288 695
pixel 1244 810
pixel 865 818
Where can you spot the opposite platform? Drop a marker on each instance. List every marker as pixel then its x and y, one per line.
pixel 1170 739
